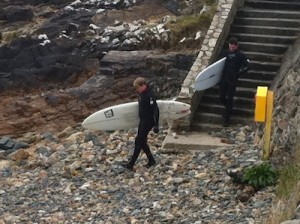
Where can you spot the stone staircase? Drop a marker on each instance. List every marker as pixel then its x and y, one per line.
pixel 265 29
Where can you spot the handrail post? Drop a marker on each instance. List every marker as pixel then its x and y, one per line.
pixel 264 100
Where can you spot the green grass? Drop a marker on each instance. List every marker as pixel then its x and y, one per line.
pixel 187 27
pixel 287 190
pixel 289 177
pixel 210 2
pixel 260 176
pixel 189 24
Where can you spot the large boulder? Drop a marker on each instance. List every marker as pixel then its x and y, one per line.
pixel 16 13
pixel 110 84
pixel 76 57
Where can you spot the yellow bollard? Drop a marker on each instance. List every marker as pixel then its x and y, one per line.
pixel 263 113
pixel 261 104
pixel 268 126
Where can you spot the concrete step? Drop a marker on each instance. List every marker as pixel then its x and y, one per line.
pixel 217 127
pixel 262 75
pixel 190 141
pixel 267 13
pixel 287 5
pixel 207 127
pixel 253 83
pixel 265 30
pixel 263 38
pixel 241 101
pixel 264 47
pixel 212 128
pixel 246 83
pixel 264 66
pixel 218 119
pixel 219 109
pixel 263 57
pixel 240 91
pixel 248 21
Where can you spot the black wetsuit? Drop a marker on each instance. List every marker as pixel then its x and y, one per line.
pixel 149 116
pixel 235 65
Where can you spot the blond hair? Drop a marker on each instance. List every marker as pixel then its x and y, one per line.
pixel 139 82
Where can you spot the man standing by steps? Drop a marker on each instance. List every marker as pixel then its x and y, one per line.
pixel 149 116
pixel 235 65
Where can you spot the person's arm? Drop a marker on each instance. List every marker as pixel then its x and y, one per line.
pixel 155 116
pixel 244 65
pixel 223 54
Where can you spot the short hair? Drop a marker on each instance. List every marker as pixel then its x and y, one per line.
pixel 139 82
pixel 233 40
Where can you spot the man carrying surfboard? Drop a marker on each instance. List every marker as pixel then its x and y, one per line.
pixel 236 64
pixel 149 117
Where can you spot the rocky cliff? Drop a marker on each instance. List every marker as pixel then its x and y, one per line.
pixel 286 115
pixel 62 60
pixel 285 144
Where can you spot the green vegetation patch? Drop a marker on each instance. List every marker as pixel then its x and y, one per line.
pixel 287 190
pixel 260 176
pixel 188 25
pixel 289 177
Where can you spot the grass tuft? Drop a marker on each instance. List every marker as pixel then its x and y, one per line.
pixel 260 176
pixel 187 27
pixel 289 177
pixel 287 191
pixel 188 24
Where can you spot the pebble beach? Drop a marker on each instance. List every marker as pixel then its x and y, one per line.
pixel 77 176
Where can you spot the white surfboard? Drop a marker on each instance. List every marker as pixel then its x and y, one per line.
pixel 125 116
pixel 210 76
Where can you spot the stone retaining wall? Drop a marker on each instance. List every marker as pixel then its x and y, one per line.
pixel 210 50
pixel 286 114
pixel 285 135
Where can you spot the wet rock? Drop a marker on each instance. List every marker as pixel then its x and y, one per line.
pixel 19 155
pixel 16 13
pixel 64 51
pixel 246 194
pixel 7 143
pixel 236 175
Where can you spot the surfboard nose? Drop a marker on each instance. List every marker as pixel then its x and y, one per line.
pixel 184 110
